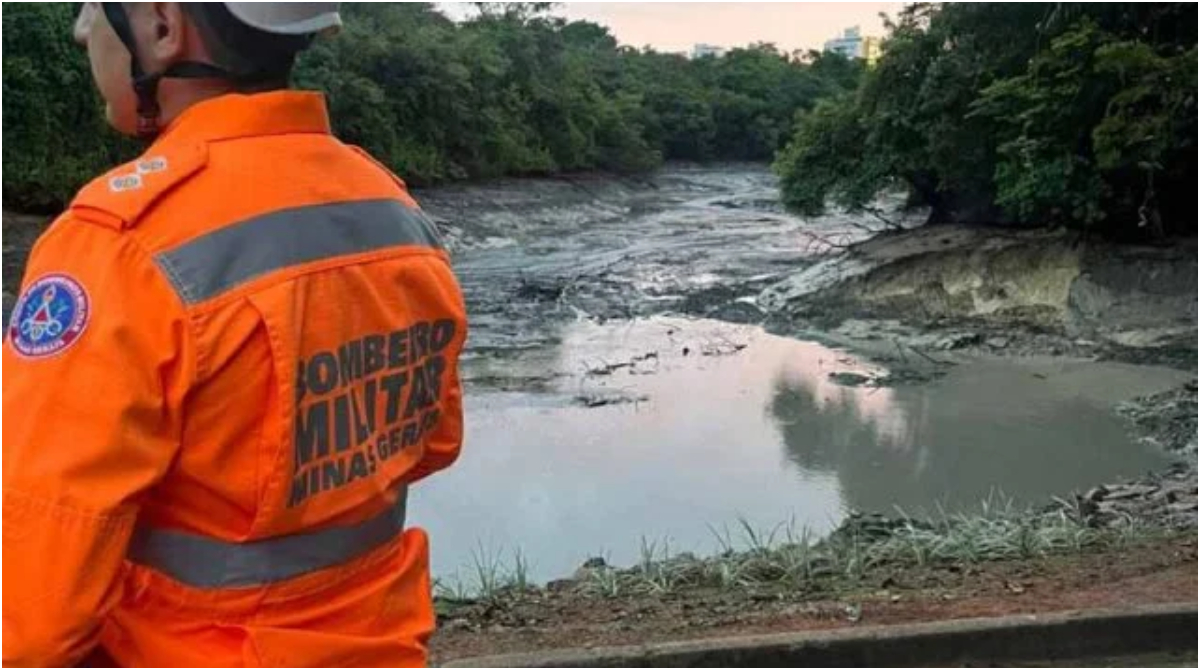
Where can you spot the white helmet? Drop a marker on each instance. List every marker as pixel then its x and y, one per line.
pixel 287 18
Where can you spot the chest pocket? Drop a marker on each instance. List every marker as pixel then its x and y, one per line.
pixel 362 358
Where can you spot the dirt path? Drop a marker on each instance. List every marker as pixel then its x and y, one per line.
pixel 1160 572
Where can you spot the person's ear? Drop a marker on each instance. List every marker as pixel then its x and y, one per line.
pixel 161 33
pixel 84 22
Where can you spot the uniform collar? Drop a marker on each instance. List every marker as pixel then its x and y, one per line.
pixel 247 115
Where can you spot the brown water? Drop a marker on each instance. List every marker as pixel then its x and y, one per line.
pixel 570 277
pixel 750 426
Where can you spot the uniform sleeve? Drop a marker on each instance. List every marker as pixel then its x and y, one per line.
pixel 446 437
pixel 96 364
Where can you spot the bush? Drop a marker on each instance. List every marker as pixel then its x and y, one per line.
pixel 55 137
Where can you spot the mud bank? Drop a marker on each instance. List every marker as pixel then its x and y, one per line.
pixel 998 291
pixel 926 299
pixel 1158 571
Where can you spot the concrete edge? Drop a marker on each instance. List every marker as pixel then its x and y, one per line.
pixel 1048 636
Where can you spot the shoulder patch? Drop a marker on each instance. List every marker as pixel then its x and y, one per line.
pixel 121 196
pixel 50 316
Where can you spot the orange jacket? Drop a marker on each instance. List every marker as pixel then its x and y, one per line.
pixel 228 360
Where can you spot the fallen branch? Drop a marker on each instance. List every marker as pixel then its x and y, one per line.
pixel 878 214
pixel 826 240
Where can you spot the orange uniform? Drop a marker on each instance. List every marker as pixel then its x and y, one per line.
pixel 229 359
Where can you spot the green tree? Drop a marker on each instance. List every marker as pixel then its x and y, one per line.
pixel 55 138
pixel 1034 114
pixel 513 90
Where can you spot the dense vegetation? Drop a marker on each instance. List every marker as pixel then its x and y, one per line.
pixel 55 136
pixel 1076 114
pixel 510 91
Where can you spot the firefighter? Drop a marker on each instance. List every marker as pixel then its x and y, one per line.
pixel 230 359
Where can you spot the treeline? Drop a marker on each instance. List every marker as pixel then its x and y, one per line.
pixel 1037 114
pixel 55 136
pixel 512 91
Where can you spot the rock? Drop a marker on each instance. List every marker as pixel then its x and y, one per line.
pixel 958 341
pixel 848 378
pixel 998 342
pixel 722 349
pixel 1181 507
pixel 737 312
pixel 1131 491
pixel 602 400
pixel 537 292
pixel 590 566
pixel 1167 418
pixel 1096 494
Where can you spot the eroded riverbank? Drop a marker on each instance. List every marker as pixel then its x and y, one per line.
pixel 618 372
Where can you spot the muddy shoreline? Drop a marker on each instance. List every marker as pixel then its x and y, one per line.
pixel 1158 571
pixel 918 302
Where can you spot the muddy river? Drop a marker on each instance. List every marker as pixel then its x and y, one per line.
pixel 619 389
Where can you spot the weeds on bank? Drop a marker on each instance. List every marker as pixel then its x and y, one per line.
pixel 787 557
pixel 491 577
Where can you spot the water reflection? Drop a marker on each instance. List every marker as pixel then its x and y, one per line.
pixel 985 428
pixel 748 425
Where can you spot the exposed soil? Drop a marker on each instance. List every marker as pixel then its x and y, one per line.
pixel 1168 419
pixel 985 290
pixel 1160 572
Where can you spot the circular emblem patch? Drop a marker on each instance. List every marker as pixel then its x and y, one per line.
pixel 49 317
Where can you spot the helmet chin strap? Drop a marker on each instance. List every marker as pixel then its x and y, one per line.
pixel 145 86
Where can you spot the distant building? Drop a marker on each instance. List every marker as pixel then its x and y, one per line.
pixel 852 44
pixel 872 49
pixel 702 50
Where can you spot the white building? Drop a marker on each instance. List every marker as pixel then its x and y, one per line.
pixel 702 50
pixel 852 44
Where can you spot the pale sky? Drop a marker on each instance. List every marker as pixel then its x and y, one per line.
pixel 676 26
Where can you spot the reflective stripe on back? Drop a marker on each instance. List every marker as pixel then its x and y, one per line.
pixel 208 563
pixel 224 259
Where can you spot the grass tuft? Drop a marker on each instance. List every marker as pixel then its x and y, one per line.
pixel 787 558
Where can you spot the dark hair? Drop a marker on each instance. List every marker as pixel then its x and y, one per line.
pixel 255 59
